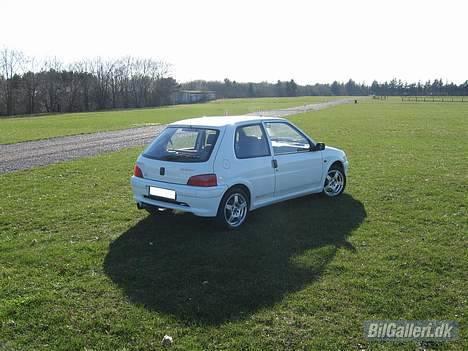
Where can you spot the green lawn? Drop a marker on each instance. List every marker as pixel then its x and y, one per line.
pixel 81 268
pixel 32 128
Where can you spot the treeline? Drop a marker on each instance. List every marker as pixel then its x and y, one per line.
pixel 29 87
pixel 233 89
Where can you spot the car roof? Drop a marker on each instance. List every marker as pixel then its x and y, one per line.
pixel 222 121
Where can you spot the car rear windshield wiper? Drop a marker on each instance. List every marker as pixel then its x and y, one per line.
pixel 179 156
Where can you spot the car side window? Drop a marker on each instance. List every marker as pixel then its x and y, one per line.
pixel 286 139
pixel 250 141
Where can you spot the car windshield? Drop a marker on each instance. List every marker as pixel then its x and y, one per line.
pixel 181 144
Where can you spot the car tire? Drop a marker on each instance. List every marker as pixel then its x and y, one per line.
pixel 335 181
pixel 233 208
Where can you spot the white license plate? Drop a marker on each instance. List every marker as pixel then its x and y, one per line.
pixel 160 192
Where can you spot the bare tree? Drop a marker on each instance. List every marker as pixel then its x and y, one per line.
pixel 102 70
pixel 84 81
pixel 31 82
pixel 11 64
pixel 51 85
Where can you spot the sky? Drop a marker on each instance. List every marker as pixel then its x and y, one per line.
pixel 255 40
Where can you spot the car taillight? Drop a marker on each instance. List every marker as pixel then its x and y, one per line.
pixel 137 172
pixel 203 180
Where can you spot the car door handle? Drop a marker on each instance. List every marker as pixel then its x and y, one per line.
pixel 274 163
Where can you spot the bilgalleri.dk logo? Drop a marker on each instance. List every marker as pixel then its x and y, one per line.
pixel 402 330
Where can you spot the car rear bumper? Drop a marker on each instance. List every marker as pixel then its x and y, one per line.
pixel 201 201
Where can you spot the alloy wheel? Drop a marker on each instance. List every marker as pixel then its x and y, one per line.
pixel 235 209
pixel 334 182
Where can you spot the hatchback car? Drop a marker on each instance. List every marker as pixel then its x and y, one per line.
pixel 224 167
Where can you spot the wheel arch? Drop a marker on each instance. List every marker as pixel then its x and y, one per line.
pixel 244 187
pixel 337 163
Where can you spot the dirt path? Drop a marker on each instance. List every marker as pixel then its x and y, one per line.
pixel 29 154
pixel 301 109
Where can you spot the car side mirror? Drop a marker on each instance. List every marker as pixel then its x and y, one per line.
pixel 318 147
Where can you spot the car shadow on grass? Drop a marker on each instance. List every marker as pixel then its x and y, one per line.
pixel 187 267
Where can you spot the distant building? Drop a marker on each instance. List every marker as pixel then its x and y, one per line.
pixel 193 96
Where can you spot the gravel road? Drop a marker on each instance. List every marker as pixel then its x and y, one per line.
pixel 301 109
pixel 29 154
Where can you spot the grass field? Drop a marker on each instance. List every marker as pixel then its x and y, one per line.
pixel 81 268
pixel 31 128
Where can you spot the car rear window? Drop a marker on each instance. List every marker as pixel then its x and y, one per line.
pixel 180 144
